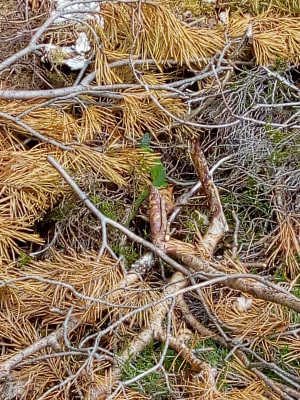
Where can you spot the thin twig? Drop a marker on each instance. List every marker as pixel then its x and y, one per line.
pixel 34 133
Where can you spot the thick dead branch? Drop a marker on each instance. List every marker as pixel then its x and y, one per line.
pixel 256 289
pixel 291 392
pixel 158 217
pixel 181 349
pixel 186 196
pixel 109 91
pixel 154 330
pixel 218 225
pixel 159 313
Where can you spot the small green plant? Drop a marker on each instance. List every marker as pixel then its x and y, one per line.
pixel 173 362
pixel 279 156
pixel 95 199
pixel 154 383
pixel 296 290
pixel 24 259
pixel 249 204
pixel 158 172
pixel 128 252
pixel 276 135
pixel 295 316
pixel 280 274
pixel 280 65
pixel 158 175
pixel 55 79
pixel 281 353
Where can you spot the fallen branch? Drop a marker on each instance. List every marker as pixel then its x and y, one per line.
pixel 218 225
pixel 52 340
pixel 186 196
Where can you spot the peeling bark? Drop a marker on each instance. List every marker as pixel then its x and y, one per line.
pixel 218 225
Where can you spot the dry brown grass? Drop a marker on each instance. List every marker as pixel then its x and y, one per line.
pixel 134 295
pixel 160 36
pixel 52 122
pixel 29 185
pixel 254 390
pixel 141 114
pixel 114 163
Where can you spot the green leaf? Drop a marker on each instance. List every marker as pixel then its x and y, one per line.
pixel 158 175
pixel 158 172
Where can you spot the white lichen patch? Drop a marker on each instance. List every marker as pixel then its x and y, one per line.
pixel 73 56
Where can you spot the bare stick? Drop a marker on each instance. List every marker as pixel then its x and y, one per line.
pixel 34 133
pixel 235 234
pixel 49 341
pixel 211 238
pixel 193 263
pixel 259 290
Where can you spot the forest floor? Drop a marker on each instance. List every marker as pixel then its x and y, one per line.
pixel 149 200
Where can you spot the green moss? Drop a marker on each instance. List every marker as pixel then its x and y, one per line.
pixel 128 252
pixel 215 357
pixel 282 153
pixel 295 316
pixel 276 135
pixel 152 383
pixel 280 274
pixel 279 156
pixel 95 199
pixel 194 218
pixel 55 79
pixel 280 65
pixel 249 204
pixel 173 363
pixel 109 209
